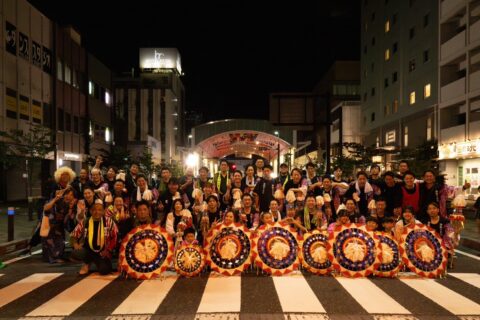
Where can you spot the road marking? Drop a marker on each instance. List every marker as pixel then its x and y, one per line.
pixel 305 316
pixel 147 297
pixel 219 316
pixel 467 254
pixel 71 299
pixel 24 286
pixel 368 295
pixel 470 278
pixel 222 294
pixel 23 257
pixel 445 297
pixel 295 295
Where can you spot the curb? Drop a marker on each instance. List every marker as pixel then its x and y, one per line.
pixel 12 246
pixel 470 243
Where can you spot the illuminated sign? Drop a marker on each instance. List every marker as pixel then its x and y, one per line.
pixel 160 58
pixel 459 150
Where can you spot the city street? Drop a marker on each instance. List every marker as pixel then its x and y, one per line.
pixel 32 289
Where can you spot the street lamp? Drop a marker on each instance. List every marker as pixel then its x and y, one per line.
pixel 278 151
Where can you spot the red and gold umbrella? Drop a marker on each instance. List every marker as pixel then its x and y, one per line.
pixel 423 252
pixel 390 259
pixel 314 253
pixel 228 248
pixel 275 249
pixel 353 250
pixel 145 252
pixel 189 260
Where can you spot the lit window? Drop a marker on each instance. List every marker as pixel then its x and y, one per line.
pixel 405 136
pixel 387 26
pixel 395 106
pixel 68 74
pixel 59 70
pixel 107 135
pixel 390 136
pixel 90 88
pixel 107 98
pixel 412 97
pixel 429 128
pixel 426 91
pixel 387 54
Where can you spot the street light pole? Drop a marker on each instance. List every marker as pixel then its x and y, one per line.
pixel 278 152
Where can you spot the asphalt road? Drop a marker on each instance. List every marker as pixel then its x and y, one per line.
pixel 33 289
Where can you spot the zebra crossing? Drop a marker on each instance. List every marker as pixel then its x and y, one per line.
pixel 295 296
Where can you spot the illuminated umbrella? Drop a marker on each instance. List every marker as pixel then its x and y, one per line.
pixel 189 260
pixel 275 249
pixel 145 252
pixel 228 248
pixel 353 250
pixel 390 259
pixel 423 252
pixel 314 253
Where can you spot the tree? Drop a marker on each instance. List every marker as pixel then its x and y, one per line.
pixel 146 162
pixel 422 157
pixel 34 145
pixel 116 156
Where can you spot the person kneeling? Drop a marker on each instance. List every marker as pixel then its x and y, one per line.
pixel 99 235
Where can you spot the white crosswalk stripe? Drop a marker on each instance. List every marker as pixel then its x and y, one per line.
pixel 221 297
pixel 368 296
pixel 445 297
pixel 470 278
pixel 71 299
pixel 24 286
pixel 149 295
pixel 222 294
pixel 288 289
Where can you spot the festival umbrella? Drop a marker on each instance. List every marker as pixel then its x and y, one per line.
pixel 313 253
pixel 189 260
pixel 353 250
pixel 145 252
pixel 275 249
pixel 423 252
pixel 390 259
pixel 228 248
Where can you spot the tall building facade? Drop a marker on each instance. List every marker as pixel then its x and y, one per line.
pixel 459 85
pixel 399 73
pixel 151 105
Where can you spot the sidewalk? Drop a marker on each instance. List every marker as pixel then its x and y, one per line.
pixel 22 227
pixel 470 236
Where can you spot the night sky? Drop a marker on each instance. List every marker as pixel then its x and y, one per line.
pixel 233 54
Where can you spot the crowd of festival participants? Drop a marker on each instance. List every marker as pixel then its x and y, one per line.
pixel 97 208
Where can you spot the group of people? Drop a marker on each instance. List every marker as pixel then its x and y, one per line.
pixel 99 207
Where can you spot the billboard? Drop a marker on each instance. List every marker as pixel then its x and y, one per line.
pixel 160 58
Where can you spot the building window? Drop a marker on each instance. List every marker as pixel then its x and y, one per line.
pixel 108 98
pixel 372 67
pixel 390 137
pixel 61 120
pixel 412 32
pixel 387 54
pixel 68 122
pixel 59 70
pixel 426 90
pixel 373 91
pixel 386 110
pixel 75 78
pixel 394 77
pixel 365 96
pixel 365 49
pixel 68 74
pixel 373 41
pixel 429 128
pixel 366 26
pixel 411 3
pixel 108 137
pixel 426 20
pixel 395 47
pixel 394 19
pixel 377 142
pixel 395 106
pixel 372 117
pixel 412 97
pixel 387 26
pixel 405 136
pixel 386 82
pixel 426 55
pixel 75 124
pixel 373 16
pixel 91 88
pixel 411 65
